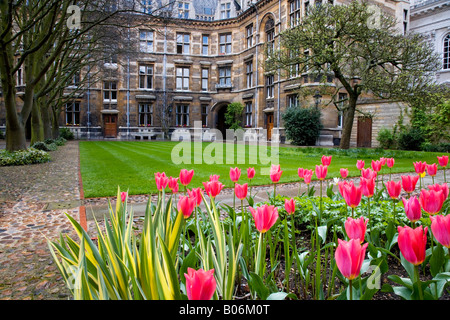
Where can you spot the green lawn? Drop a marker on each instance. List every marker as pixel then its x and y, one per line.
pixel 132 164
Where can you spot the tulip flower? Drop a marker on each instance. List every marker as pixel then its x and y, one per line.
pixel 235 174
pixel 420 168
pixel 376 165
pixel 214 177
pixel 344 172
pixel 409 183
pixel 300 172
pixel 443 162
pixel 123 196
pixel 360 164
pixel 241 190
pixel 431 201
pixel 251 173
pixel 321 172
pixel 200 284
pixel 265 217
pixel 368 173
pixel 275 173
pixel 432 170
pixel 173 184
pixel 326 160
pixel 213 188
pixel 186 205
pixel 161 181
pixel 349 257
pixel 196 193
pixel 351 193
pixel 440 187
pixel 289 205
pixel 394 189
pixel 307 176
pixel 440 226
pixel 367 187
pixel 186 177
pixel 412 244
pixel 390 162
pixel 412 209
pixel 356 228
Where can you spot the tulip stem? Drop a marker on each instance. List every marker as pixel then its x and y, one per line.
pixel 416 274
pixel 351 289
pixel 274 190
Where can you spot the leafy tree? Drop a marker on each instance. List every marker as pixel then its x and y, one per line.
pixel 233 116
pixel 362 49
pixel 302 125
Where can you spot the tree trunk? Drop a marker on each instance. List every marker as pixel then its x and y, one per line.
pixel 46 118
pixel 37 130
pixel 349 116
pixel 55 124
pixel 15 127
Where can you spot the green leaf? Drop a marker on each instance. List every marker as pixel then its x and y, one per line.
pixel 437 260
pixel 256 284
pixel 281 296
pixel 322 230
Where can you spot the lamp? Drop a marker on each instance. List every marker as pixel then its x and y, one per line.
pixel 317 98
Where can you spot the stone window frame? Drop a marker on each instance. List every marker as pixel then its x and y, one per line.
pixel 225 46
pixel 183 78
pixel 146 41
pixel 146 75
pixel 182 114
pixel 73 113
pixel 446 52
pixel 184 46
pixel 146 113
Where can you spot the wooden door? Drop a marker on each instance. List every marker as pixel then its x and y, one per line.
pixel 364 132
pixel 269 126
pixel 110 122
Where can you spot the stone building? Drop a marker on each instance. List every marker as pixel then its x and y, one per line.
pixel 208 54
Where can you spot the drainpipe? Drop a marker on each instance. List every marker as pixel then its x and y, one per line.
pixel 256 64
pixel 165 122
pixel 128 87
pixel 279 83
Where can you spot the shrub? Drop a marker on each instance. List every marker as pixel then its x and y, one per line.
pixel 2 135
pixel 23 157
pixel 302 125
pixel 386 138
pixel 411 139
pixel 60 141
pixel 66 134
pixel 44 146
pixel 439 147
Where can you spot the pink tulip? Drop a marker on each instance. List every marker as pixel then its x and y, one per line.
pixel 196 193
pixel 161 181
pixel 432 169
pixel 360 164
pixel 186 177
pixel 173 184
pixel 356 228
pixel 390 162
pixel 265 217
pixel 412 243
pixel 409 183
pixel 344 172
pixel 186 205
pixel 214 177
pixel 412 209
pixel 321 172
pixel 300 172
pixel 213 188
pixel 351 193
pixel 241 190
pixel 275 173
pixel 326 161
pixel 440 226
pixel 123 196
pixel 251 173
pixel 419 167
pixel 431 201
pixel 440 187
pixel 394 189
pixel 376 165
pixel 368 173
pixel 307 177
pixel 200 284
pixel 289 205
pixel 349 257
pixel 443 161
pixel 367 186
pixel 235 174
pixel 383 161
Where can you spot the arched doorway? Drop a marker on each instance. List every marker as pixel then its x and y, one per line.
pixel 219 111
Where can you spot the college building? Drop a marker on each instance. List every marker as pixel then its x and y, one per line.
pixel 205 54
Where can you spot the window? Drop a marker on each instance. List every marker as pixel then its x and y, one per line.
pixel 292 101
pixel 73 114
pixel 205 79
pixel 249 72
pixel 294 13
pixel 20 77
pixel 225 76
pixel 204 115
pixel 145 115
pixel 146 41
pixel 248 114
pixel 270 86
pixel 306 4
pixel 183 40
pixel 249 33
pixel 182 78
pixel 110 54
pixel 405 21
pixel 205 45
pixel 145 77
pixel 182 115
pixel 76 79
pixel 342 99
pixel 109 91
pixel 146 6
pixel 183 10
pixel 270 35
pixel 446 61
pixel 225 10
pixel 225 43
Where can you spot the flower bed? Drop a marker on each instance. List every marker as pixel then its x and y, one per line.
pixel 24 157
pixel 319 245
